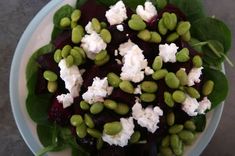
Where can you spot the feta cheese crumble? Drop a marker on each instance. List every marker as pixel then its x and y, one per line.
pixel 120 27
pixel 148 71
pixel 146 12
pixel 148 117
pixel 167 52
pixel 65 99
pixel 194 76
pixel 97 91
pixel 138 90
pixel 121 139
pixel 190 106
pixel 204 105
pixel 116 14
pixel 92 44
pixel 134 62
pixel 89 28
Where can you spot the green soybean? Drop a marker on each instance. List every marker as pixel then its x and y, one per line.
pixel 187 36
pixel 197 61
pixel 76 120
pixel 165 141
pixel 135 137
pixel 189 125
pixel 65 51
pixel 81 51
pixel 73 24
pixel 186 135
pixel 50 75
pixel 78 59
pixel 168 99
pixel 57 56
pixel 174 141
pixel 172 37
pixel 166 151
pixel 136 17
pixel 81 130
pixel 103 25
pixel 94 133
pixel 149 86
pixel 84 105
pixel 76 15
pixel 122 109
pixel 88 120
pixel 157 63
pixel 207 87
pixel 175 129
pixel 183 55
pixel 144 35
pixel 65 22
pixel 52 86
pixel 137 24
pixel 170 118
pixel 160 74
pixel 113 79
pixel 110 104
pixel 183 27
pixel 69 60
pixel 96 108
pixel 96 25
pixel 192 92
pixel 106 35
pixel 77 34
pixel 101 55
pixel 155 37
pixel 126 86
pixel 179 96
pixel 182 76
pixel 170 20
pixel 178 151
pixel 99 143
pixel 112 128
pixel 171 80
pixel 161 27
pixel 147 97
pixel 102 62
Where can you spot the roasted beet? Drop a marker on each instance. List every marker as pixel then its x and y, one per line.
pixel 41 85
pixel 89 143
pixel 47 62
pixel 124 97
pixel 112 151
pixel 63 39
pixel 147 149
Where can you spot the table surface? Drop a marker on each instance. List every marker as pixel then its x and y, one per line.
pixel 15 16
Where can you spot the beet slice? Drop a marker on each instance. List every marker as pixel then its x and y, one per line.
pixel 47 62
pixel 63 39
pixel 120 96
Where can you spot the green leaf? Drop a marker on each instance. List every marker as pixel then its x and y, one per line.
pixel 160 4
pixel 45 150
pixel 129 3
pixel 55 32
pixel 79 3
pixel 64 11
pixel 212 29
pixel 200 122
pixel 220 90
pixel 46 134
pixel 193 9
pixel 107 2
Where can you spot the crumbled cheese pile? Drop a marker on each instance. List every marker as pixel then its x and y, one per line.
pixel 146 12
pixel 167 52
pixel 121 139
pixel 194 76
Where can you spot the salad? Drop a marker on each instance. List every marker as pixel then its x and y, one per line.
pixel 127 77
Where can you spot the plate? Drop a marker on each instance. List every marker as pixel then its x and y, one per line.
pixel 35 36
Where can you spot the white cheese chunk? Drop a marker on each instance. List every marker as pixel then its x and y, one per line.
pixel 65 99
pixel 121 139
pixel 190 106
pixel 148 71
pixel 97 91
pixel 93 44
pixel 204 105
pixel 146 12
pixel 194 76
pixel 167 52
pixel 138 90
pixel 148 117
pixel 120 27
pixel 89 28
pixel 116 14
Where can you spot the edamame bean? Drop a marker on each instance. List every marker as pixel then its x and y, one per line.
pixel 183 27
pixel 50 75
pixel 99 143
pixel 94 133
pixel 174 141
pixel 65 51
pixel 73 24
pixel 192 92
pixel 102 62
pixel 177 151
pixel 65 22
pixel 135 137
pixel 106 35
pixel 189 125
pixel 137 24
pixel 207 87
pixel 160 74
pixel 187 36
pixel 88 120
pixel 110 104
pixel 81 130
pixel 168 99
pixel 96 25
pixel 76 120
pixel 76 15
pixel 155 37
pixel 84 105
pixel 113 79
pixel 175 129
pixel 172 37
pixel 81 51
pixel 178 96
pixel 149 86
pixel 136 17
pixel 171 80
pixel 161 27
pixel 186 135
pixel 197 61
pixel 103 25
pixel 122 109
pixel 126 86
pixel 170 20
pixel 112 128
pixel 147 97
pixel 96 108
pixel 170 118
pixel 57 56
pixel 157 63
pixel 52 86
pixel 101 55
pixel 69 60
pixel 166 151
pixel 77 34
pixel 182 76
pixel 144 35
pixel 78 60
pixel 183 55
pixel 165 141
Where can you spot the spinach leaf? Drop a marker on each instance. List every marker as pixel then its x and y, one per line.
pixel 47 133
pixel 220 90
pixel 107 2
pixel 55 32
pixel 209 28
pixel 45 150
pixel 160 4
pixel 200 122
pixel 129 3
pixel 193 9
pixel 79 3
pixel 64 11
